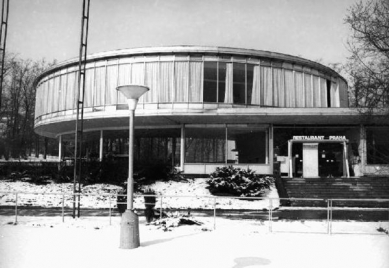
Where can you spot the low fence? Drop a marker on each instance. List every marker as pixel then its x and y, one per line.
pixel 268 212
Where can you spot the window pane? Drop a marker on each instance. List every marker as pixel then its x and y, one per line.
pixel 182 81
pixel 157 145
pixel 166 81
pixel 115 142
pixel 205 145
pixel 289 89
pixel 222 81
pixel 152 80
pixel 55 92
pixel 99 90
pixel 239 83
pixel 250 78
pixel 377 146
pixel 299 89
pixel 246 145
pixel 210 81
pixel 195 81
pixel 111 84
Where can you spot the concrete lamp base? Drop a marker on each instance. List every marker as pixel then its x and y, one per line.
pixel 129 230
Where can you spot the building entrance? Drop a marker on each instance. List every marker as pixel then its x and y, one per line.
pixel 297 159
pixel 331 160
pixel 315 156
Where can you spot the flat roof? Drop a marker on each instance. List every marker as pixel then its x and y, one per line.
pixel 185 49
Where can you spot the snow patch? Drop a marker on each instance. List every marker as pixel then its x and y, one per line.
pixel 176 195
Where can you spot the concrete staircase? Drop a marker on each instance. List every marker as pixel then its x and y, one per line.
pixel 338 188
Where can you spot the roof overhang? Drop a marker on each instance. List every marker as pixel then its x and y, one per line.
pixel 93 121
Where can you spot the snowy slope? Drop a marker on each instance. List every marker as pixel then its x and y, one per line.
pixel 192 194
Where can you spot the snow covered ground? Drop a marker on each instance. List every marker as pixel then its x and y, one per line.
pixel 92 242
pixel 37 241
pixel 192 194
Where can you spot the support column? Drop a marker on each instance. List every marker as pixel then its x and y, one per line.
pixel 345 160
pixel 182 148
pixel 267 146
pixel 60 148
pixel 362 148
pixel 271 148
pixel 290 159
pixel 101 145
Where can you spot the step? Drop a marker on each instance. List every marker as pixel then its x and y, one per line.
pixel 338 188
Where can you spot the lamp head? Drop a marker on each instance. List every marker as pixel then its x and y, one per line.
pixel 132 94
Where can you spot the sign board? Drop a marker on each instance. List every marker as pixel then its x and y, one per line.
pixel 318 138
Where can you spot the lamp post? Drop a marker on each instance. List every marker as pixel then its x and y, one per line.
pixel 129 226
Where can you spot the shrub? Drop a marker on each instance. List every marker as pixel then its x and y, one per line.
pixel 34 172
pixel 158 171
pixel 238 182
pixel 175 174
pixel 150 200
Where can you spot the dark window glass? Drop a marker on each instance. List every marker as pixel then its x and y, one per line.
pixel 328 93
pixel 157 145
pixel 377 146
pixel 239 79
pixel 246 145
pixel 222 81
pixel 210 81
pixel 205 145
pixel 250 78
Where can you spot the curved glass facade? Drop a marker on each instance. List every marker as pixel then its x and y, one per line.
pixel 191 79
pixel 206 107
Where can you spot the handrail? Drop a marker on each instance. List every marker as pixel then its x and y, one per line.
pixel 269 209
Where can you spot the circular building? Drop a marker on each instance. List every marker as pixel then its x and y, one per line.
pixel 208 107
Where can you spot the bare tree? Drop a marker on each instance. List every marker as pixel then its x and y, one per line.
pixel 18 107
pixel 368 65
pixel 368 70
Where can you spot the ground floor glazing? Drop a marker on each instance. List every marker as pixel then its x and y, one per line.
pixel 199 149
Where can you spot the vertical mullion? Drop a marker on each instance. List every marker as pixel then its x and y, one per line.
pixel 173 82
pixel 273 99
pixel 94 86
pixel 303 91
pixel 117 83
pixel 245 83
pixel 189 81
pixel 226 144
pixel 104 102
pixel 217 81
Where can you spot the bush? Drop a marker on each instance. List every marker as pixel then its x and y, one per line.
pixel 149 204
pixel 34 172
pixel 238 182
pixel 158 171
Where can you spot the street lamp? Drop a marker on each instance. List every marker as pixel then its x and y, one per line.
pixel 129 226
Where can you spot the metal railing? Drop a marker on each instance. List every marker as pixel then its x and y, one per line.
pixel 265 211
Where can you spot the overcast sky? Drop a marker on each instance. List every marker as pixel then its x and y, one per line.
pixel 312 29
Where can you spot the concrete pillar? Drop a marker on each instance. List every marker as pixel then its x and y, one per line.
pixel 290 159
pixel 182 148
pixel 267 146
pixel 362 148
pixel 271 148
pixel 60 148
pixel 346 171
pixel 101 145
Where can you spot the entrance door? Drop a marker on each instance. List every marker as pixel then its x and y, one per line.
pixel 331 160
pixel 297 159
pixel 311 159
